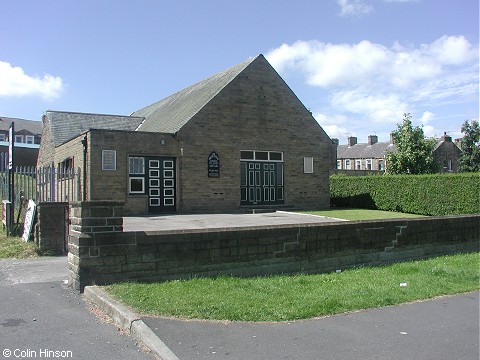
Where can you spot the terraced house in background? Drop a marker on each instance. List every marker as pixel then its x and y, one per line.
pixel 240 139
pixel 28 134
pixel 361 158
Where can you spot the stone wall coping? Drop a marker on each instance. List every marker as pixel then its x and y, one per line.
pixel 112 203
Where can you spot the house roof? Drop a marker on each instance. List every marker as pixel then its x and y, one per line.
pixel 67 125
pixel 364 151
pixel 32 126
pixel 173 112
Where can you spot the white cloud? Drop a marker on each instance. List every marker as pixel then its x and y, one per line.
pixel 14 82
pixel 353 8
pixel 389 77
pixel 332 124
pixel 327 65
pixel 372 85
pixel 378 108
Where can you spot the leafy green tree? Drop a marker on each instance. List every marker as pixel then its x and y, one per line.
pixel 414 153
pixel 470 159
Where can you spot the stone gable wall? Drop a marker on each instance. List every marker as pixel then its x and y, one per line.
pixel 256 111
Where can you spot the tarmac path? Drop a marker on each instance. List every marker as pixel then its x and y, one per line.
pixel 41 317
pixel 441 329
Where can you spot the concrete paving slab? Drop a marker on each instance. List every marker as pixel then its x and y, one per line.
pixel 220 221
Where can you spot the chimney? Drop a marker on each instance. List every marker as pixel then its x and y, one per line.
pixel 392 140
pixel 352 140
pixel 335 141
pixel 372 139
pixel 446 138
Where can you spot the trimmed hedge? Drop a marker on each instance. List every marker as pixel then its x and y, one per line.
pixel 438 194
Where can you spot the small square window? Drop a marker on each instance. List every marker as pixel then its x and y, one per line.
pixel 136 165
pixel 136 185
pixel 19 138
pixel 29 139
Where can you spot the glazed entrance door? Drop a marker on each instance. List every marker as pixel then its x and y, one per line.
pixel 161 184
pixel 261 183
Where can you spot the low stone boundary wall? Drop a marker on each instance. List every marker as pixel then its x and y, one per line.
pixel 107 256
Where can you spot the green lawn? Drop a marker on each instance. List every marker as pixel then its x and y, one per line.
pixel 283 298
pixel 361 214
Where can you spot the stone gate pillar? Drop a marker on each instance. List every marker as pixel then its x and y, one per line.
pixel 90 221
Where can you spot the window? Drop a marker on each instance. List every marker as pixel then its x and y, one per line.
pixel 30 139
pixel 136 175
pixel 369 164
pixel 19 138
pixel 339 164
pixel 66 164
pixel 308 165
pixel 261 155
pixel 136 165
pixel 136 185
pixel 347 164
pixel 380 165
pixel 358 164
pixel 2 137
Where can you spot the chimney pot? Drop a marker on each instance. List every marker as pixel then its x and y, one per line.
pixel 352 140
pixel 372 139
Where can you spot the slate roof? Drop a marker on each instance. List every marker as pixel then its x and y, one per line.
pixel 67 125
pixel 365 151
pixel 173 112
pixel 33 127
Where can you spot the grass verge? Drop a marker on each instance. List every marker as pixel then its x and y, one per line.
pixel 361 214
pixel 15 247
pixel 284 298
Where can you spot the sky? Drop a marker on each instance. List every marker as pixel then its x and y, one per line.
pixel 357 65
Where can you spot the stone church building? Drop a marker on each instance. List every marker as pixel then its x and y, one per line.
pixel 236 141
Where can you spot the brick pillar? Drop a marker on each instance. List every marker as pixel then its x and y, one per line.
pixel 88 219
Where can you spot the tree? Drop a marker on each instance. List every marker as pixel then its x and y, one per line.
pixel 470 158
pixel 414 153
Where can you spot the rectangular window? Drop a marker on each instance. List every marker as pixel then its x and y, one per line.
pixel 136 165
pixel 19 138
pixel 66 164
pixel 136 185
pixel 369 164
pixel 358 164
pixel 246 155
pixel 380 165
pixel 339 164
pixel 3 137
pixel 136 172
pixel 261 155
pixel 30 139
pixel 347 165
pixel 276 156
pixel 308 165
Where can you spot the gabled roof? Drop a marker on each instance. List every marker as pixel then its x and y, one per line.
pixel 67 125
pixel 173 112
pixel 365 151
pixel 34 127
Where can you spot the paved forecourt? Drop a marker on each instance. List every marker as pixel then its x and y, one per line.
pixel 220 221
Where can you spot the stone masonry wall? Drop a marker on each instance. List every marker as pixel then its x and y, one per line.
pixel 100 255
pixel 51 230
